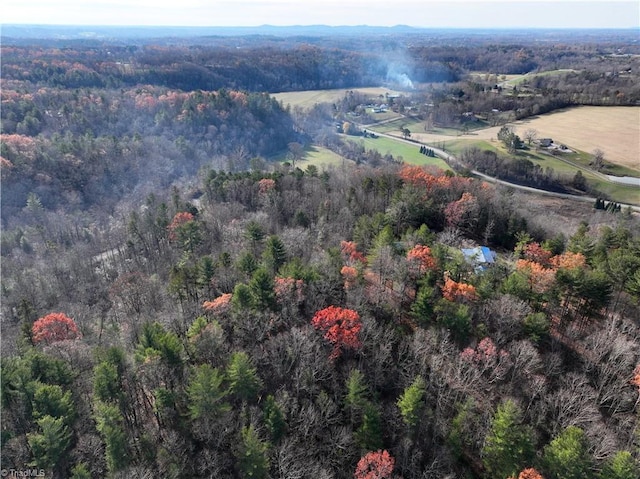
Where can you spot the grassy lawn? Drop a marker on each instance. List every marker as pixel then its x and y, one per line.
pixel 309 98
pixel 617 192
pixel 318 156
pixel 417 126
pixel 394 126
pixel 620 193
pixel 409 153
pixel 322 158
pixel 457 146
pixel 584 159
pixel 518 80
pixel 383 115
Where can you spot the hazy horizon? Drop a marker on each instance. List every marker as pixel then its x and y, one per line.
pixel 462 14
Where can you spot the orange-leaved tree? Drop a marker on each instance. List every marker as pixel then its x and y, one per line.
pixel 421 257
pixel 266 185
pixel 540 279
pixel 568 260
pixel 422 177
pixel 375 465
pixel 350 275
pixel 55 327
pixel 340 326
pixel 530 473
pixel 635 380
pixel 454 291
pixel 179 220
pixel 220 305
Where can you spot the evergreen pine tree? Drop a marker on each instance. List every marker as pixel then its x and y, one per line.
pixel 508 447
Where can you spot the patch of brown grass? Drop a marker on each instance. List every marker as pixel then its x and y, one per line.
pixel 613 129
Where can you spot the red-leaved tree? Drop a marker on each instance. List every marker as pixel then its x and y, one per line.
pixel 54 327
pixel 535 252
pixel 350 253
pixel 288 290
pixel 462 210
pixel 340 326
pixel 375 465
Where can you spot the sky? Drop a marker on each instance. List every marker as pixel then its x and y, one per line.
pixel 416 13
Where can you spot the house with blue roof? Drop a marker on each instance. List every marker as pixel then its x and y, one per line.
pixel 480 257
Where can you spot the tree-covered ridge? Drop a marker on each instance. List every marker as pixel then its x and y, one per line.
pixel 74 149
pixel 310 63
pixel 296 324
pixel 255 68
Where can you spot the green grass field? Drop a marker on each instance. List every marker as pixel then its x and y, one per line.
pixel 322 158
pixel 584 159
pixel 417 126
pixel 619 193
pixel 456 146
pixel 394 126
pixel 309 98
pixel 409 153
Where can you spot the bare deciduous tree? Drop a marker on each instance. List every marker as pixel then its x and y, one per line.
pixel 598 159
pixel 530 135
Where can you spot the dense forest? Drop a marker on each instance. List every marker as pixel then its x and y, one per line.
pixel 175 304
pixel 288 324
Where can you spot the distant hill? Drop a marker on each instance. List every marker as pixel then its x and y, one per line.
pixel 106 32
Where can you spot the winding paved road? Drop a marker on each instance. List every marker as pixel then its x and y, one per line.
pixel 450 158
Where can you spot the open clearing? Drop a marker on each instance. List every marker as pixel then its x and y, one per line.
pixel 613 129
pixel 307 99
pixel 323 159
pixel 409 152
pixel 318 156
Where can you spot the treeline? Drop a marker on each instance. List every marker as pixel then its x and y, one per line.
pixel 255 68
pixel 296 323
pixel 515 170
pixel 447 104
pixel 300 63
pixel 520 57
